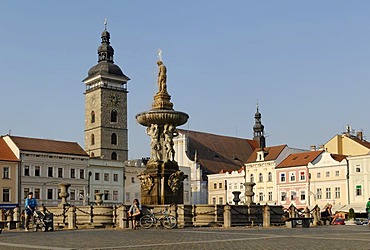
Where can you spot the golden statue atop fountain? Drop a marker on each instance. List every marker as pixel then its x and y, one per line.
pixel 162 98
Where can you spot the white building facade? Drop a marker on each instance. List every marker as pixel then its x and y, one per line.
pixel 359 182
pixel 328 181
pixel 44 164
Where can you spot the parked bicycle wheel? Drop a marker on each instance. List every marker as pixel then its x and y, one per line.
pixel 169 222
pixel 146 221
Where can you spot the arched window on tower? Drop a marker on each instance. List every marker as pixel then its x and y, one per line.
pixel 114 156
pixel 113 116
pixel 113 139
pixel 92 139
pixel 92 116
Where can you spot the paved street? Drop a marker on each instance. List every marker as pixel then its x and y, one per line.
pixel 326 237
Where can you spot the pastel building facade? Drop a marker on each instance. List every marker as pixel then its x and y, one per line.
pixel 9 183
pixel 328 181
pixel 292 179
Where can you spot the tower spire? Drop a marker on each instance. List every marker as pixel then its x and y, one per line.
pixel 258 129
pixel 105 51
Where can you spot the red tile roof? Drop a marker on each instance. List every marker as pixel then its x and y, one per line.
pixel 299 159
pixel 6 154
pixel 272 153
pixel 48 146
pixel 217 153
pixel 338 158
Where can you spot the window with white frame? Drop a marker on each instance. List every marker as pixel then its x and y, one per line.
pixel 73 173
pixel 241 185
pixel 214 200
pixel 72 194
pixel 230 186
pixel 260 196
pixel 337 192
pixel 337 173
pixel 328 193
pixel 282 177
pixel 115 177
pixel 318 175
pixel 327 174
pixel 6 174
pixel 358 169
pixel 319 193
pixel 37 170
pixel 269 176
pixel 6 195
pixel 82 173
pixel 37 193
pixel 283 196
pixel 60 172
pixel 26 170
pixel 50 171
pixel 252 178
pixel 235 185
pixel 293 195
pixel 358 190
pixel 302 176
pixel 270 195
pixel 220 200
pixel 303 195
pixel 220 185
pixel 214 185
pixel 115 195
pixel 292 176
pixel 260 177
pixel 106 176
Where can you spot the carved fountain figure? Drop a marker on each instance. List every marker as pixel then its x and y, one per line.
pixel 161 182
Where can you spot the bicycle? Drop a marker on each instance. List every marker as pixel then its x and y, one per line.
pixel 166 220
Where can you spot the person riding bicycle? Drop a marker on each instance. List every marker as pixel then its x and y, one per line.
pixel 135 212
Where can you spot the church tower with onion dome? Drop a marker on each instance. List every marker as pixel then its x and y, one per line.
pixel 258 130
pixel 106 133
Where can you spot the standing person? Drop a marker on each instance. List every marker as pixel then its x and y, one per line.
pixel 30 206
pixel 368 211
pixel 135 212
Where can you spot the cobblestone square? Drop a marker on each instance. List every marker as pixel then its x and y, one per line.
pixel 326 237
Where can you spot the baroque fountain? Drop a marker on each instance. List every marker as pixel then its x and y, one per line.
pixel 162 181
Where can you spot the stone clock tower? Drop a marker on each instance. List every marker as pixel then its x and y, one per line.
pixel 106 106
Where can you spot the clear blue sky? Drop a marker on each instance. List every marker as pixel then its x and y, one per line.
pixel 306 62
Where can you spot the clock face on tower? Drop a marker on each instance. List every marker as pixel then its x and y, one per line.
pixel 114 99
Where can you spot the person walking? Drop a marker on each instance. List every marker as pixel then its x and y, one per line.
pixel 30 206
pixel 135 212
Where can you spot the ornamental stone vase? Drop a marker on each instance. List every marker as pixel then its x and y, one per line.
pixel 64 194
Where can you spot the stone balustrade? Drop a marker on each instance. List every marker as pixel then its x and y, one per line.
pixel 72 217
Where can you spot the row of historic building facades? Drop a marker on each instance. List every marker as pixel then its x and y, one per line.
pixel 215 164
pixel 338 173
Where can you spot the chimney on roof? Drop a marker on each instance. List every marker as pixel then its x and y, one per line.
pixel 313 148
pixel 359 135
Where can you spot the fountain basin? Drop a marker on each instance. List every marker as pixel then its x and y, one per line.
pixel 161 117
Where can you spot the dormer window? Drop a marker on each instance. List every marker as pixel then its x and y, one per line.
pixel 260 156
